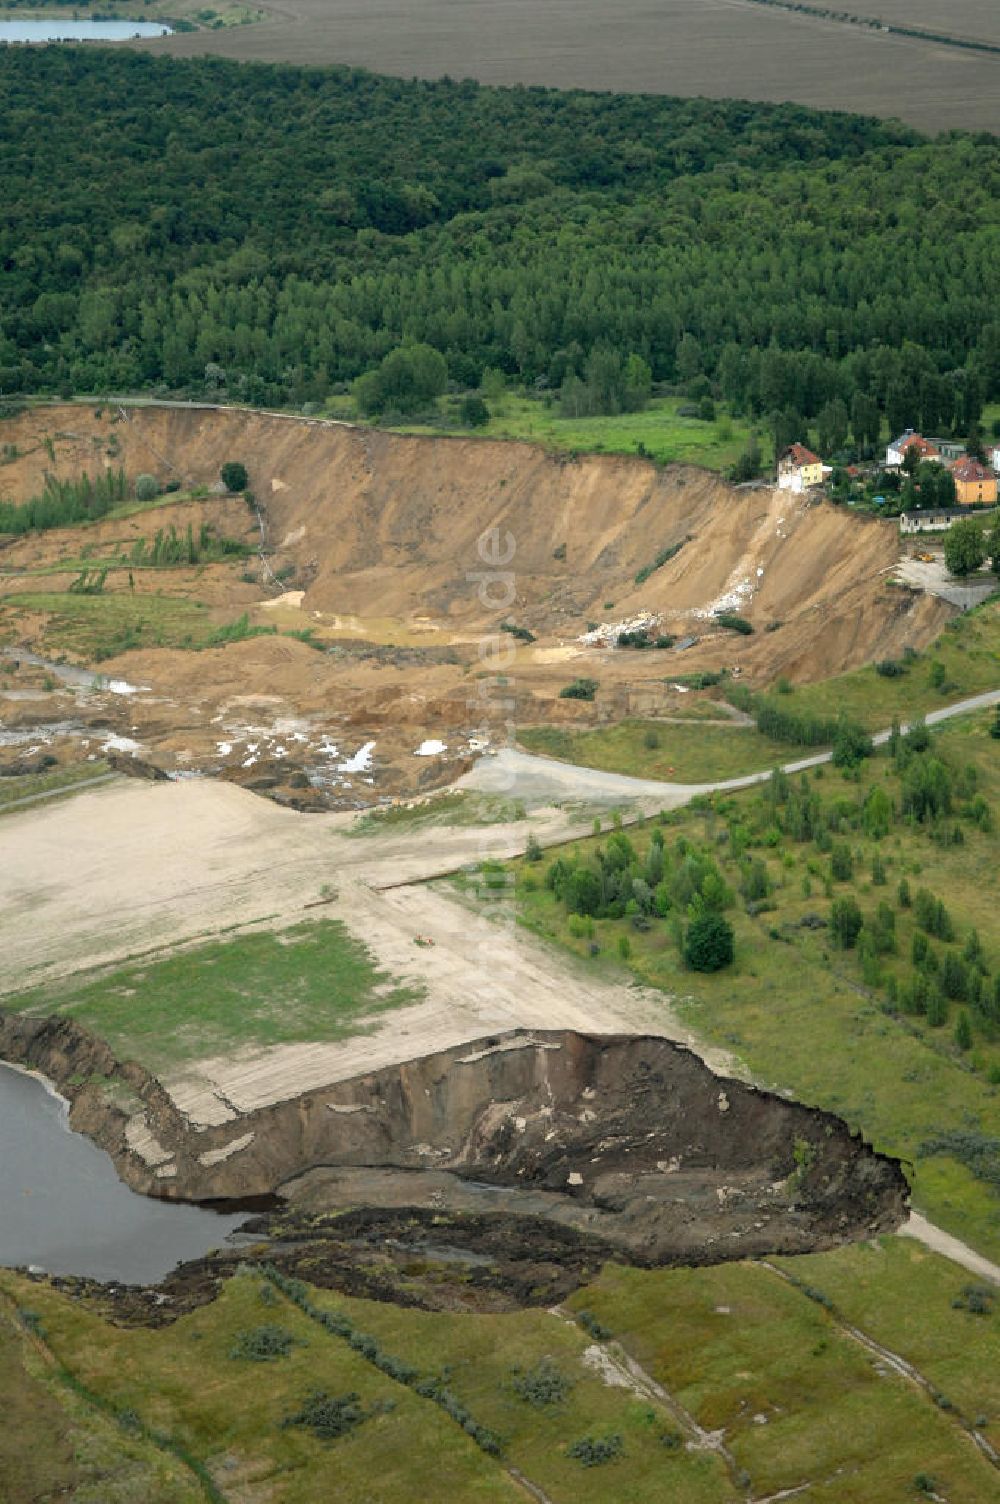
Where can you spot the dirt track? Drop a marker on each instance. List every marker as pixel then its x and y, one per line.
pixel 226 858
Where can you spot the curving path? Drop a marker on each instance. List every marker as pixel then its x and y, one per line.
pixel 527 775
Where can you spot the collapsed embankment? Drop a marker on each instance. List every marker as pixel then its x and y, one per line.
pixel 403 559
pixel 632 1140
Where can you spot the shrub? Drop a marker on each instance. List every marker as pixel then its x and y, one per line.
pixel 978 1300
pixel 473 412
pixel 521 633
pixel 963 1031
pixel 262 1344
pixel 580 689
pixel 663 557
pixel 328 1416
pixel 590 1323
pixel 234 476
pixel 238 631
pixel 932 916
pixel 709 944
pixel 876 816
pixel 594 1451
pixel 146 488
pixel 851 744
pixel 734 623
pixel 845 923
pixel 542 1385
pixel 890 668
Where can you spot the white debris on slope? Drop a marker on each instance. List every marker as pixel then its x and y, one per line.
pixel 430 748
pixel 120 744
pixel 361 761
pixel 606 634
pixel 731 599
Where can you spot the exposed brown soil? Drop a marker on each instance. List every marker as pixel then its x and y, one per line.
pixel 633 1142
pixel 383 543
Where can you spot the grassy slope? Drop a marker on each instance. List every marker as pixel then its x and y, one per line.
pixel 798 1399
pixel 684 754
pixel 658 432
pixel 968 649
pixel 93 627
pixel 798 1012
pixel 54 1445
pixel 56 781
pixel 738 1347
pixel 183 1382
pixel 311 982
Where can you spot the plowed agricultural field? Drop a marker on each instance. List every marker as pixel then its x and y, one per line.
pixel 714 48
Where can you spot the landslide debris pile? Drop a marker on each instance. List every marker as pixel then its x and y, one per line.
pixel 576 1146
pixel 631 1138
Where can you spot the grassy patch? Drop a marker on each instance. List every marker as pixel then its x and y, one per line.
pixel 311 982
pixel 654 749
pixel 54 1445
pixel 821 1021
pixel 484 1356
pixel 904 1296
pixel 182 1382
pixel 56 781
pixel 968 651
pixel 658 433
pixel 442 809
pixel 740 1349
pixel 798 1400
pixel 95 627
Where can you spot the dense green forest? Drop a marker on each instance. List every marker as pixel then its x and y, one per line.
pixel 269 233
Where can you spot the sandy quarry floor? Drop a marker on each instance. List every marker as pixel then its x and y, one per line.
pixel 225 858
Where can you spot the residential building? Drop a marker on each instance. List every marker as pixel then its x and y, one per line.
pixel 975 483
pixel 899 448
pixel 799 468
pixel 949 449
pixel 931 520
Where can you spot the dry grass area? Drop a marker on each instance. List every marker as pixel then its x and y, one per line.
pixel 715 48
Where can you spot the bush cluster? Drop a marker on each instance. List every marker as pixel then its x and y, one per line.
pixel 369 1347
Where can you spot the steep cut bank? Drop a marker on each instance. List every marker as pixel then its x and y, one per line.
pixel 407 561
pixel 631 1139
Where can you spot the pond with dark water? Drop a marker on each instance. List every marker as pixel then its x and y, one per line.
pixel 64 1210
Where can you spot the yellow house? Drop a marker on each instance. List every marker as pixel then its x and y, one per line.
pixel 799 468
pixel 974 482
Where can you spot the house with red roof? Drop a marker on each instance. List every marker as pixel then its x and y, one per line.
pixel 799 468
pixel 975 483
pixel 901 447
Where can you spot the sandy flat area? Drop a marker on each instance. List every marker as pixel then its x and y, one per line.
pixel 137 868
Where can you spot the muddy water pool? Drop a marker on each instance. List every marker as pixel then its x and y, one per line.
pixel 64 1210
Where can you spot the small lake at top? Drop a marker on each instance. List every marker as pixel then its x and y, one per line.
pixel 63 1208
pixel 59 29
